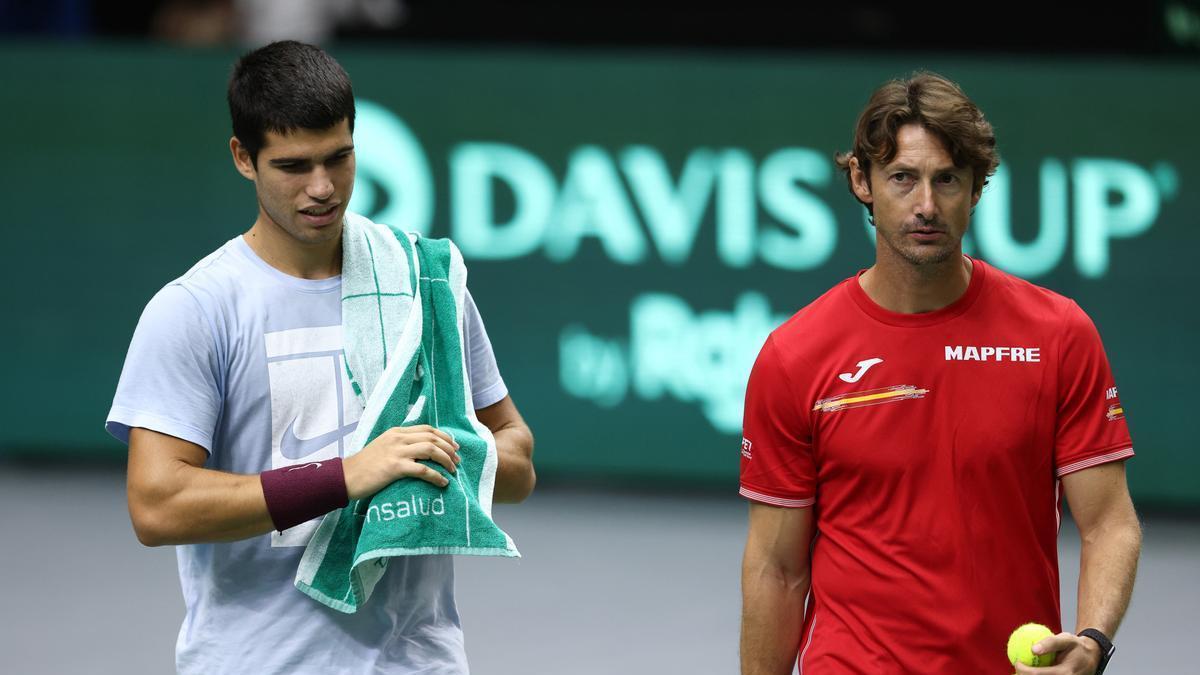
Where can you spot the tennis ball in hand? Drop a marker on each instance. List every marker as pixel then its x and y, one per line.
pixel 1021 642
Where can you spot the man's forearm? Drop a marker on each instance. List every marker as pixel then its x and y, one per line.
pixel 514 450
pixel 1107 567
pixel 772 618
pixel 515 476
pixel 201 505
pixel 174 499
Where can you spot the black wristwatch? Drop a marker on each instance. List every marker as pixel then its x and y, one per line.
pixel 1107 648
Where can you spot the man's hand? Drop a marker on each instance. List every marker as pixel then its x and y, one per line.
pixel 396 454
pixel 1074 655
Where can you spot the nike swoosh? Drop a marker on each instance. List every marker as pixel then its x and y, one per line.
pixel 292 447
pixel 315 465
pixel 863 367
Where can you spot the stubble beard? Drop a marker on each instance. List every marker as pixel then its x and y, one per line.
pixel 298 232
pixel 924 256
pixel 919 255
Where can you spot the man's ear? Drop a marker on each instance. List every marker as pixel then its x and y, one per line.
pixel 241 159
pixel 860 182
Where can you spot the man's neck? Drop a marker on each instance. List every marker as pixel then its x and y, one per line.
pixel 900 286
pixel 280 250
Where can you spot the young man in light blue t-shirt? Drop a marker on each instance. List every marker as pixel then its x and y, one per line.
pixel 236 374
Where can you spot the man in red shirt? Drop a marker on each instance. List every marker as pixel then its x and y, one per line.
pixel 909 436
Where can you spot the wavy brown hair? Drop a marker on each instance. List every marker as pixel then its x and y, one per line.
pixel 937 104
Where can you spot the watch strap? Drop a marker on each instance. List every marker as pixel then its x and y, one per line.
pixel 1107 648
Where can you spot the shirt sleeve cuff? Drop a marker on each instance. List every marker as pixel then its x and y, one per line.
pixel 1088 462
pixel 121 420
pixel 491 395
pixel 776 501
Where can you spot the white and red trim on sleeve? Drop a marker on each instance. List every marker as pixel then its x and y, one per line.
pixel 776 501
pixel 1089 462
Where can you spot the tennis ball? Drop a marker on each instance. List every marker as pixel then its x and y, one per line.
pixel 1021 642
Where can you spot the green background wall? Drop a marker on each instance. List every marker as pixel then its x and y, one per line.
pixel 635 223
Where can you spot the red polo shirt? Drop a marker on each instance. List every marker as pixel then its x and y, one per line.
pixel 930 447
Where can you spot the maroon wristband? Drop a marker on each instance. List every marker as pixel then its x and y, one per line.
pixel 297 494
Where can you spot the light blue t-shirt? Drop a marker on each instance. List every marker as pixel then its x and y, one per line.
pixel 246 361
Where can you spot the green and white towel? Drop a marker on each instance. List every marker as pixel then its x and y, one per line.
pixel 402 303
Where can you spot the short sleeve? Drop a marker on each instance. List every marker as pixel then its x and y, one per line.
pixel 777 465
pixel 483 374
pixel 1091 427
pixel 170 381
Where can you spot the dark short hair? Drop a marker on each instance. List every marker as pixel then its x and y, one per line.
pixel 286 86
pixel 938 105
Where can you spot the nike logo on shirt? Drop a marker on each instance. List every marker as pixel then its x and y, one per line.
pixel 315 465
pixel 863 367
pixel 292 447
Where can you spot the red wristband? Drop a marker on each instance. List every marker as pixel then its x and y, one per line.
pixel 297 494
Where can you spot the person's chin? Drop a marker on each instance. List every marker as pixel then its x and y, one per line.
pixel 320 233
pixel 927 255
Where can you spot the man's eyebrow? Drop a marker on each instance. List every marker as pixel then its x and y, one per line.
pixel 907 168
pixel 280 161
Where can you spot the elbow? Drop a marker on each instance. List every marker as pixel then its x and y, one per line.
pixel 520 487
pixel 148 528
pixel 528 476
pixel 791 578
pixel 1135 535
pixel 514 481
pixel 1122 524
pixel 152 525
pixel 785 575
pixel 527 485
pixel 515 477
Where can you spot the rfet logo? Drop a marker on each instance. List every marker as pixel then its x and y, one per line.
pixel 746 448
pixel 1115 411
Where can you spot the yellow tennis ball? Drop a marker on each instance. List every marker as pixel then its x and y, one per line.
pixel 1021 642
